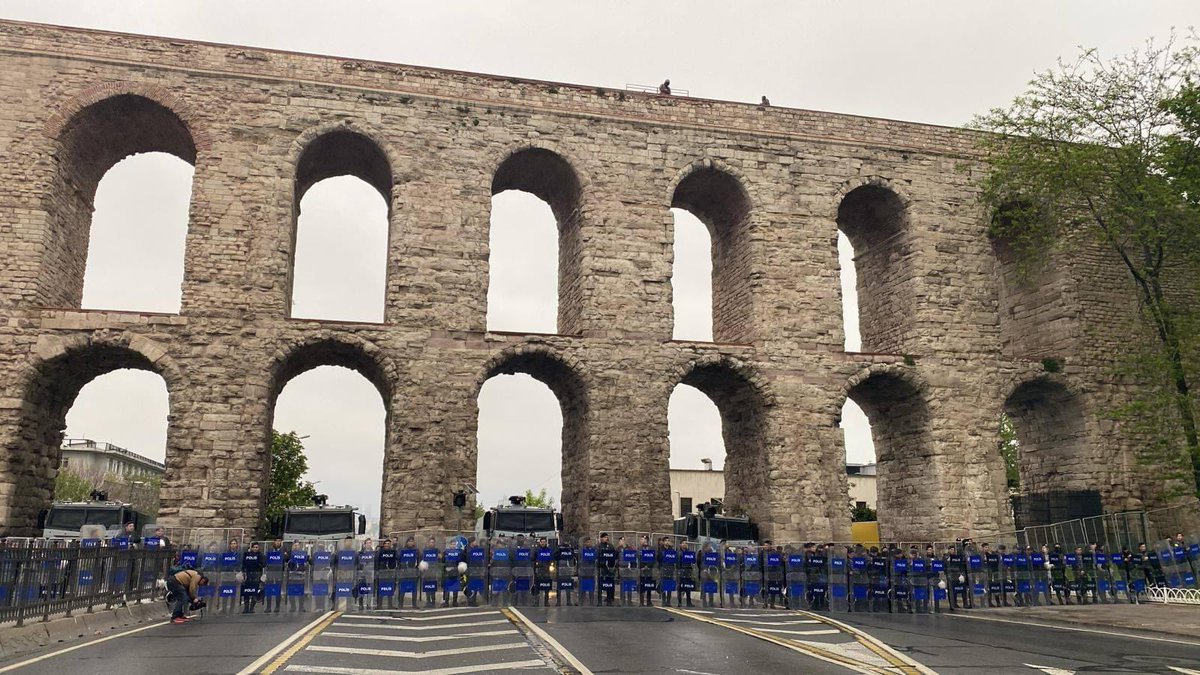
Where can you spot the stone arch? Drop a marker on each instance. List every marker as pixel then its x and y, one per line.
pixel 909 487
pixel 564 377
pixel 343 350
pixel 330 348
pixel 742 397
pixel 1054 458
pixel 717 195
pixel 332 150
pixel 550 176
pixel 49 386
pixel 875 216
pixel 343 148
pixel 105 126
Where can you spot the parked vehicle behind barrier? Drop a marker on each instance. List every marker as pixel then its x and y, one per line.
pixel 64 519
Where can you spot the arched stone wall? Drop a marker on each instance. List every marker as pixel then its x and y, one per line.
pixel 771 182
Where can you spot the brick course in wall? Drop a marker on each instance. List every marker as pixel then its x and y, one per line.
pixel 774 185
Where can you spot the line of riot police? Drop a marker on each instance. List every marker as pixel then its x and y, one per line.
pixel 427 569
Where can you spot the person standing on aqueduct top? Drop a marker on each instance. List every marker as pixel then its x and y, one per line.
pixel 665 88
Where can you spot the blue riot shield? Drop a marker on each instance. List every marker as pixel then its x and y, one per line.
pixel 731 576
pixel 322 577
pixel 298 584
pixel 710 576
pixel 837 576
pixel 797 588
pixel 522 572
pixel 860 585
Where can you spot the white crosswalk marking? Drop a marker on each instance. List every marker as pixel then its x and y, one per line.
pixel 417 655
pixel 815 631
pixel 417 638
pixel 1051 671
pixel 771 623
pixel 443 626
pixel 393 617
pixel 466 640
pixel 462 670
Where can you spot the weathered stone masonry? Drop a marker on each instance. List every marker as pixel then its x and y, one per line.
pixel 774 186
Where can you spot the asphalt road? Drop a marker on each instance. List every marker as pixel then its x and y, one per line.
pixel 975 643
pixel 215 644
pixel 618 640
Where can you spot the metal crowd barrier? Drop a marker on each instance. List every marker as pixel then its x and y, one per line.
pixel 40 578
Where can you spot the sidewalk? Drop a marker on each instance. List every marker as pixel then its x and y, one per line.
pixel 1182 620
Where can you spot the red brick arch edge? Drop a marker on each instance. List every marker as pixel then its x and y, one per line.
pixel 54 126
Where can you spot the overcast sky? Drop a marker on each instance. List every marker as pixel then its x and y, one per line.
pixel 938 62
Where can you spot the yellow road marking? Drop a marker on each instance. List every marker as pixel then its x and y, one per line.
pixel 814 652
pixel 907 667
pixel 301 643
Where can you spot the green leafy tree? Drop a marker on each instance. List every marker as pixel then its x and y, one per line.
pixel 288 466
pixel 862 514
pixel 1107 153
pixel 72 487
pixel 1009 447
pixel 539 500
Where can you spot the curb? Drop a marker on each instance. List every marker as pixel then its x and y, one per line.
pixel 15 641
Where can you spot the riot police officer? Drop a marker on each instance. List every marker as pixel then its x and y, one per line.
pixel 297 577
pixel 543 581
pixel 607 562
pixel 252 573
pixel 710 575
pixel 385 574
pixel 1058 574
pixel 590 567
pixel 429 575
pixel 274 559
pixel 627 572
pixel 687 574
pixel 564 572
pixel 995 582
pixel 647 559
pixel 668 563
pixel 408 560
pixel 956 570
pixel 773 567
pixel 1008 578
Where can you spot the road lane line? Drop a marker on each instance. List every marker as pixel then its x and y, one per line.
pixel 771 623
pixel 460 670
pixel 392 617
pixel 64 650
pixel 567 656
pixel 1079 629
pixel 906 664
pixel 816 631
pixel 814 652
pixel 431 610
pixel 297 642
pixel 437 627
pixel 253 667
pixel 418 638
pixel 416 655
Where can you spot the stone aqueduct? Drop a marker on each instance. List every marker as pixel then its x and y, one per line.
pixel 951 336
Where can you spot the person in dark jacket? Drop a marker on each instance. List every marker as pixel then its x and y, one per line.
pixel 252 573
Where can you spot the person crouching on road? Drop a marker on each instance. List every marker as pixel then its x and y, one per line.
pixel 183 586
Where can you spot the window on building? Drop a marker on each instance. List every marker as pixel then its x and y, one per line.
pixel 860 505
pixel 64 462
pixel 685 505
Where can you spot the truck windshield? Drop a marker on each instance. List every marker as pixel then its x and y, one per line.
pixel 732 530
pixel 508 521
pixel 75 517
pixel 320 524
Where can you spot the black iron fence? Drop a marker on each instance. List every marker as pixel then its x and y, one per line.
pixel 41 578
